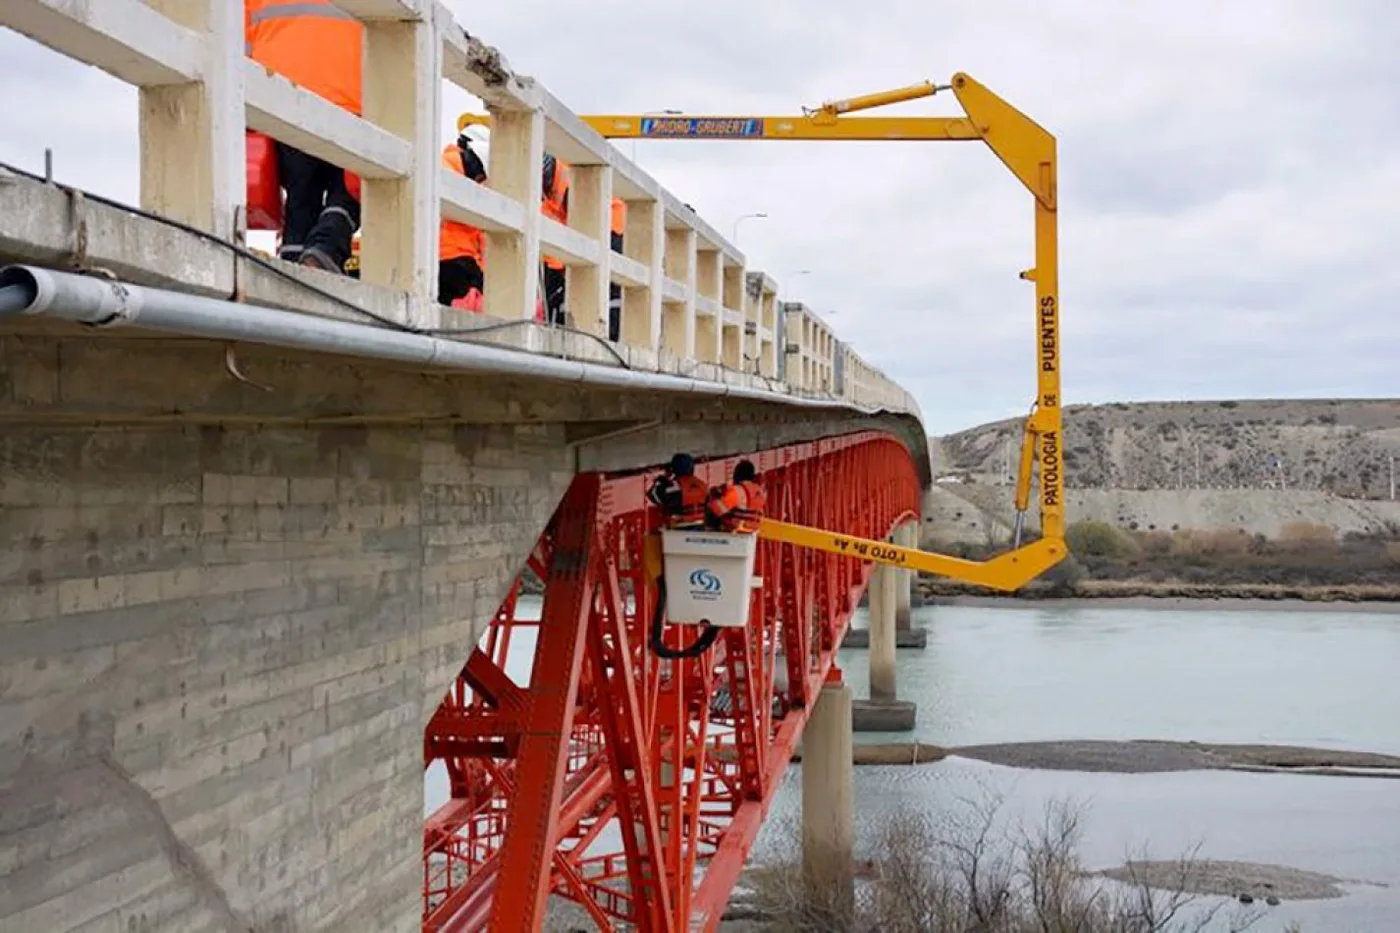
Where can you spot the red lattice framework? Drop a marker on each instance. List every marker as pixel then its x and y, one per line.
pixel 627 783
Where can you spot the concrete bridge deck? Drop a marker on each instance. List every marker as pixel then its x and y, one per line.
pixel 249 534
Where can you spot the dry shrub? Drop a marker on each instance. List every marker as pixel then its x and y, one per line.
pixel 968 873
pixel 1098 539
pixel 1155 543
pixel 1308 536
pixel 1218 542
pixel 1392 550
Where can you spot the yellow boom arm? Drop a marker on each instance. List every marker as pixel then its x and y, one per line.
pixel 1029 152
pixel 1009 571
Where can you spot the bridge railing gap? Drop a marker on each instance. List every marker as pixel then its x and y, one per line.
pixel 689 304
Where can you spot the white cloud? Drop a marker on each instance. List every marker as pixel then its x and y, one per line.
pixel 1228 177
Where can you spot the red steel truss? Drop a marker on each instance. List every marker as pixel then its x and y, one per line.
pixel 631 784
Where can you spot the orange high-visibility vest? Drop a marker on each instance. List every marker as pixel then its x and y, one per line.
pixel 312 43
pixel 456 240
pixel 552 204
pixel 619 216
pixel 740 507
pixel 691 510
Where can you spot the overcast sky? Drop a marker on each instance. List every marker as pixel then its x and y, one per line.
pixel 1229 189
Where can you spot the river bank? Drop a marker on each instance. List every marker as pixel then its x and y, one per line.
pixel 1137 756
pixel 1148 595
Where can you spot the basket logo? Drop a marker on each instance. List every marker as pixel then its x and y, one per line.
pixel 704 584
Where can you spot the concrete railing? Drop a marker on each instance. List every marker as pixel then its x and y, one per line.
pixel 687 297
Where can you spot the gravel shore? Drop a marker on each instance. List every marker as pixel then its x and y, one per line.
pixel 1193 603
pixel 1142 756
pixel 1230 879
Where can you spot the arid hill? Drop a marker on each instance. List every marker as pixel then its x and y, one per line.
pixel 1256 465
pixel 1338 446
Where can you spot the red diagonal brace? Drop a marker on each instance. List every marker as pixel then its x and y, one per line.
pixel 527 856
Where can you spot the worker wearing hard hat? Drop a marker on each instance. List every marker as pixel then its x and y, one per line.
pixel 738 506
pixel 460 254
pixel 680 494
pixel 317 46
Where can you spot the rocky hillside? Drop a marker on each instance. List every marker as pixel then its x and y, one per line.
pixel 1341 447
pixel 1256 465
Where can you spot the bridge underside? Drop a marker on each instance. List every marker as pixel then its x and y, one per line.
pixel 235 583
pixel 612 775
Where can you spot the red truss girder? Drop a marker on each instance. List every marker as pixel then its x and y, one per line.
pixel 632 785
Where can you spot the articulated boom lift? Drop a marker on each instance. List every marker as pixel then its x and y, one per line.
pixel 613 738
pixel 1029 152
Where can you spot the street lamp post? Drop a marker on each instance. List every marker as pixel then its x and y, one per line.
pixel 787 281
pixel 734 236
pixel 651 113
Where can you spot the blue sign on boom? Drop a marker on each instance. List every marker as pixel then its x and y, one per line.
pixel 702 127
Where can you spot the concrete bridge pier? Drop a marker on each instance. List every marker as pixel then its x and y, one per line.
pixel 828 798
pixel 905 635
pixel 888 593
pixel 906 535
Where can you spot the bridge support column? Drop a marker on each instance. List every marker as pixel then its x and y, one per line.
pixel 906 535
pixel 883 711
pixel 828 798
pixel 905 634
pixel 883 602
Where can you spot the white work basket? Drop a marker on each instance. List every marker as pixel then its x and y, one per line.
pixel 708 576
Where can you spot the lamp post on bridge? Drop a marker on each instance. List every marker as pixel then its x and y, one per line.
pixel 651 113
pixel 734 235
pixel 788 279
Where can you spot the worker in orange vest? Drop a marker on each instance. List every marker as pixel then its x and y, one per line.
pixel 317 46
pixel 554 204
pixel 738 506
pixel 619 224
pixel 680 494
pixel 460 254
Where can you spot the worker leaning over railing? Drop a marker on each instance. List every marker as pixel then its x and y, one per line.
pixel 680 494
pixel 738 507
pixel 317 46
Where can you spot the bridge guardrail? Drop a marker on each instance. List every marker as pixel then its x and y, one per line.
pixel 688 299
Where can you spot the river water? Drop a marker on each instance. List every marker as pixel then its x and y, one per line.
pixel 1047 673
pixel 1044 673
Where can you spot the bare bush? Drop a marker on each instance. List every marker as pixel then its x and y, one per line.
pixel 1392 550
pixel 1063 579
pixel 1218 542
pixel 1307 536
pixel 1098 539
pixel 970 872
pixel 1155 543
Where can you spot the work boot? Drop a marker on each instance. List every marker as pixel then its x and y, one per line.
pixel 317 259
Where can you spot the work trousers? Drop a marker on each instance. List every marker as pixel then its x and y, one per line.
pixel 320 213
pixel 554 295
pixel 615 297
pixel 458 276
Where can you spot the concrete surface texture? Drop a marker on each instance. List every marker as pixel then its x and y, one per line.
pixel 222 645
